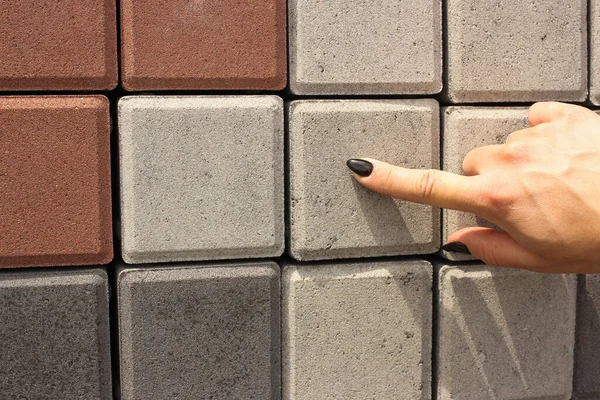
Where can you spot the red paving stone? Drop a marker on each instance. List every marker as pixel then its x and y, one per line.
pixel 55 201
pixel 58 45
pixel 201 44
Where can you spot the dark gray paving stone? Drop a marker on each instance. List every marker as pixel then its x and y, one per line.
pixel 200 332
pixel 54 335
pixel 587 350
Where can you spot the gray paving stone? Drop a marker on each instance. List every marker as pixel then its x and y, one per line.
pixel 365 46
pixel 200 333
pixel 357 331
pixel 201 177
pixel 54 334
pixel 594 60
pixel 517 50
pixel 587 350
pixel 464 129
pixel 505 334
pixel 332 216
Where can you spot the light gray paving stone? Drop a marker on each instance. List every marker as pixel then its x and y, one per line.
pixel 332 216
pixel 505 334
pixel 357 331
pixel 464 129
pixel 200 332
pixel 517 50
pixel 594 60
pixel 365 46
pixel 587 351
pixel 201 177
pixel 54 335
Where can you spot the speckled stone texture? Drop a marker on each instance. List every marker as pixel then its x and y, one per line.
pixel 357 331
pixel 365 46
pixel 58 45
pixel 200 44
pixel 587 350
pixel 594 59
pixel 200 332
pixel 332 215
pixel 464 129
pixel 505 334
pixel 201 177
pixel 55 335
pixel 517 50
pixel 55 201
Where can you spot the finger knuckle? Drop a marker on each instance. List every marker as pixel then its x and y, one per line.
pixel 426 185
pixel 515 151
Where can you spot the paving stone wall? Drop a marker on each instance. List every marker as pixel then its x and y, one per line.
pixel 177 220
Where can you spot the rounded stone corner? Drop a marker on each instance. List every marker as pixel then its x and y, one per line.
pixel 97 277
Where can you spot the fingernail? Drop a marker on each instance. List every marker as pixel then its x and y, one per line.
pixel 456 247
pixel 360 167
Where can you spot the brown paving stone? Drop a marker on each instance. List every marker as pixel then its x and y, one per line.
pixel 55 202
pixel 58 45
pixel 201 44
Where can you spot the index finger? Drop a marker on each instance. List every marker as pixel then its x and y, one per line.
pixel 434 187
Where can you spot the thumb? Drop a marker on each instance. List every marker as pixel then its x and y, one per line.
pixel 498 249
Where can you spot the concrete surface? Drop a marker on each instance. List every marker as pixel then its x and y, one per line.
pixel 365 46
pixel 587 362
pixel 200 332
pixel 55 335
pixel 594 56
pixel 55 194
pixel 505 334
pixel 464 129
pixel 201 177
pixel 357 331
pixel 516 50
pixel 198 44
pixel 332 216
pixel 58 45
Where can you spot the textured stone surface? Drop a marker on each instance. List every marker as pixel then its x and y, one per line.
pixel 201 177
pixel 55 201
pixel 517 50
pixel 198 44
pixel 200 333
pixel 464 129
pixel 594 59
pixel 332 216
pixel 365 47
pixel 505 334
pixel 55 335
pixel 587 362
pixel 357 331
pixel 58 45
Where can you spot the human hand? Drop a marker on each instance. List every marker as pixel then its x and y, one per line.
pixel 542 187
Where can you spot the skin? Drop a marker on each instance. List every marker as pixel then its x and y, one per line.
pixel 542 187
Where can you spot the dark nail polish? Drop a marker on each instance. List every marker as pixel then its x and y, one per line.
pixel 360 167
pixel 456 247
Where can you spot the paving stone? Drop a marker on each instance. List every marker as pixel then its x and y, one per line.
pixel 587 363
pixel 201 177
pixel 505 334
pixel 333 216
pixel 200 332
pixel 55 201
pixel 199 44
pixel 517 50
pixel 365 46
pixel 357 331
pixel 58 45
pixel 55 335
pixel 594 60
pixel 464 129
